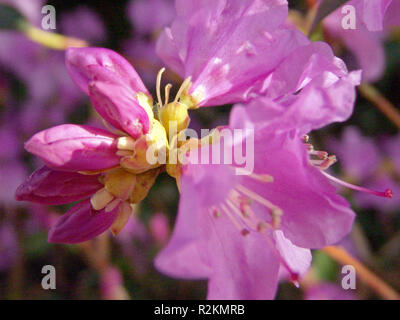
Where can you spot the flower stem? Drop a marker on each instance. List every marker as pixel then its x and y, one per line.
pixel 50 39
pixel 340 255
pixel 386 107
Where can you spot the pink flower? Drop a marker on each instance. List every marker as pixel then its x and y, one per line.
pixel 365 41
pixel 225 58
pixel 237 231
pixel 106 170
pixel 233 50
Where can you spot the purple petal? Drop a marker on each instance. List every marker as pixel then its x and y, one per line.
pixel 228 47
pixel 244 268
pixel 313 214
pixel 81 223
pixel 392 17
pixel 202 246
pixel 366 46
pixel 182 257
pixel 296 259
pixel 310 204
pixel 373 13
pixel 51 187
pixel 116 104
pixel 85 65
pixel 72 147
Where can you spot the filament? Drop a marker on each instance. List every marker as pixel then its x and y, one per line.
pixel 158 86
pixel 388 193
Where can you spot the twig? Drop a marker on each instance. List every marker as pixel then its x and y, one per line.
pixel 385 106
pixel 340 255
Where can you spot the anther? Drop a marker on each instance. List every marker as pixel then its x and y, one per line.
pixel 259 177
pixel 262 226
pixel 124 153
pixel 101 199
pixel 305 138
pixel 158 87
pixel 215 212
pixel 125 143
pixel 167 92
pixel 183 87
pixel 112 205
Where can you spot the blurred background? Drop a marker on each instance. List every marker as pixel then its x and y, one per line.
pixel 36 93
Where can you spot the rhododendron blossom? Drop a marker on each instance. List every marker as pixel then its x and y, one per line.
pixel 240 231
pixel 116 161
pixel 238 228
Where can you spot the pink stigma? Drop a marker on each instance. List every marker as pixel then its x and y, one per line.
pixel 388 193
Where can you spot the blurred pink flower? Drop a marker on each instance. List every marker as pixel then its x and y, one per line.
pixel 159 228
pixel 149 16
pixel 9 249
pixel 373 20
pixel 328 291
pixel 369 162
pixel 111 285
pixel 84 21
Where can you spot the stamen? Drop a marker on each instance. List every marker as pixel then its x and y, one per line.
pixel 183 87
pixel 320 154
pixel 262 226
pixel 215 212
pixel 255 176
pixel 310 147
pixel 275 211
pixel 101 199
pixel 126 143
pixel 112 205
pixel 167 91
pixel 234 221
pixel 124 153
pixel 158 87
pixel 305 138
pixel 328 162
pixel 250 223
pixel 388 193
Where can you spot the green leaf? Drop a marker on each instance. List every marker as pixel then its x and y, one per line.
pixel 10 18
pixel 325 268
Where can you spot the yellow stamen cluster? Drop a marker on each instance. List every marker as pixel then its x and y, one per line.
pixel 130 182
